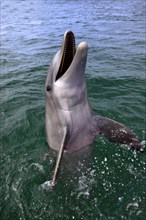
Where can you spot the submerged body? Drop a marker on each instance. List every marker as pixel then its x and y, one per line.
pixel 70 122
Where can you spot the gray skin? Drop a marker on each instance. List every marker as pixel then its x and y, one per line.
pixel 70 122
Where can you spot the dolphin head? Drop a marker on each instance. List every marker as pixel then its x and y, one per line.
pixel 65 84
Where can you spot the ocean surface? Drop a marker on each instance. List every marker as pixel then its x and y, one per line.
pixel 106 181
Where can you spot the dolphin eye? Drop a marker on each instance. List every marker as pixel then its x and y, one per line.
pixel 48 88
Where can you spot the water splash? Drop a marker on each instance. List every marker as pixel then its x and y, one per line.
pixel 48 185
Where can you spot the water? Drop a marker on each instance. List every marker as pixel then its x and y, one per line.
pixel 110 181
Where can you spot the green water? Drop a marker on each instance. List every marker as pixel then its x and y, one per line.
pixel 106 181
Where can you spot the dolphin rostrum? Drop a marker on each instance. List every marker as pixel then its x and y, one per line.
pixel 70 122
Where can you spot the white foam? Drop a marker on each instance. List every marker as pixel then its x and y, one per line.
pixel 47 185
pixel 38 166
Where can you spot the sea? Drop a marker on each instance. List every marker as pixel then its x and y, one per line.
pixel 107 181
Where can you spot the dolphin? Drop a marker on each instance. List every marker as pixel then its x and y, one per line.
pixel 70 122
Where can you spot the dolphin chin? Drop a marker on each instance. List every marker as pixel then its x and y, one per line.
pixel 70 122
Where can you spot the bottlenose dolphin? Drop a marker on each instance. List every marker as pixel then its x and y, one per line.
pixel 70 122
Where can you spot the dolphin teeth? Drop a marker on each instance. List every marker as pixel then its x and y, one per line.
pixel 69 51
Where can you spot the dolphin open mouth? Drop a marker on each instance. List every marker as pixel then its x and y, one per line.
pixel 68 53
